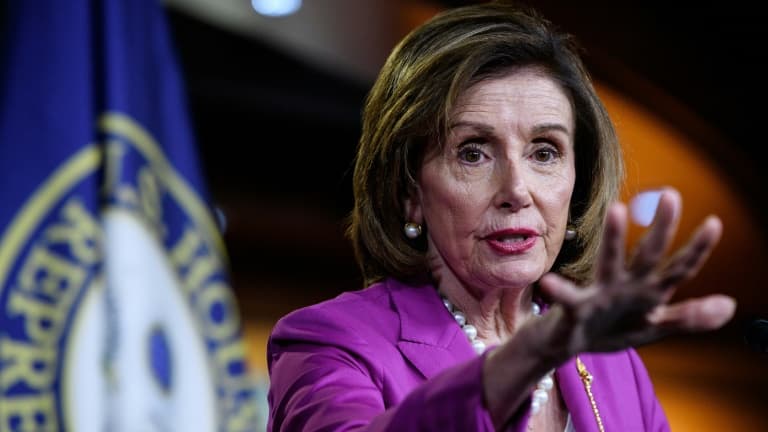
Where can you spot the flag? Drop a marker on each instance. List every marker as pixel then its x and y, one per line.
pixel 116 311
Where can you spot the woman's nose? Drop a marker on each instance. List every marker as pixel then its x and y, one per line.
pixel 512 189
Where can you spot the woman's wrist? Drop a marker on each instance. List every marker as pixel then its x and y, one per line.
pixel 546 339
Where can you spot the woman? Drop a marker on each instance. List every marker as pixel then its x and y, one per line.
pixel 486 229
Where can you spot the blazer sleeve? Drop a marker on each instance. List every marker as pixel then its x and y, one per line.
pixel 323 385
pixel 329 391
pixel 653 414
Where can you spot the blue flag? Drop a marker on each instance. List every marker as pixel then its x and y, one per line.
pixel 116 312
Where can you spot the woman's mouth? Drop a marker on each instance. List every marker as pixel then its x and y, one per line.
pixel 513 241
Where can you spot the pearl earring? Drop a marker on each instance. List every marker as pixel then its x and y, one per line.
pixel 412 230
pixel 570 232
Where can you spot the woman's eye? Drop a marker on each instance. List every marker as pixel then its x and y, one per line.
pixel 545 155
pixel 471 155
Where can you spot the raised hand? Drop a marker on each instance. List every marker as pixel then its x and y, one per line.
pixel 628 303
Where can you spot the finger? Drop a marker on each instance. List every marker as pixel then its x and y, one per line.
pixel 687 262
pixel 694 315
pixel 610 261
pixel 656 240
pixel 563 291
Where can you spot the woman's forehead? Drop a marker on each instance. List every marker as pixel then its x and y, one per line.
pixel 524 94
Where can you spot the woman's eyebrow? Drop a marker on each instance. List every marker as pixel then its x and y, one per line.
pixel 485 128
pixel 547 127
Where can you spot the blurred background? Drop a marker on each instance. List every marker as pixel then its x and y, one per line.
pixel 276 104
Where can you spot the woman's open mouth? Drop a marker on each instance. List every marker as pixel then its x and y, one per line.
pixel 513 241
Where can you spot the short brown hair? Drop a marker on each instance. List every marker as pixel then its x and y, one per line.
pixel 409 106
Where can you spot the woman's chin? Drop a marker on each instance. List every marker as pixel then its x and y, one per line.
pixel 513 276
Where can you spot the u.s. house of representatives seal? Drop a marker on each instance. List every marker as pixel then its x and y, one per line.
pixel 115 308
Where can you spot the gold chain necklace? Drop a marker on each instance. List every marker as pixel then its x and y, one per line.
pixel 587 379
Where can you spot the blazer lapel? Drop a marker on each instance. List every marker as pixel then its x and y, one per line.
pixel 430 339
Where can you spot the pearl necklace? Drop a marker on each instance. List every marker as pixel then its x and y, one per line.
pixel 541 394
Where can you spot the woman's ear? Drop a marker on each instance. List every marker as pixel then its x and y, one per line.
pixel 412 206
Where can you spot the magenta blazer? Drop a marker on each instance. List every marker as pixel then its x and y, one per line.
pixel 391 358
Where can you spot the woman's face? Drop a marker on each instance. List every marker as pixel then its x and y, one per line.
pixel 495 198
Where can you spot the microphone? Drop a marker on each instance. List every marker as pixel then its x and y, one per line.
pixel 756 335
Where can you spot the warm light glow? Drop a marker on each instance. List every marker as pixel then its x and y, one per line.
pixel 276 8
